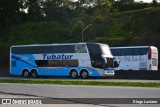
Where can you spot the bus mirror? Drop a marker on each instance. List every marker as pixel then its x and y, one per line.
pixel 116 62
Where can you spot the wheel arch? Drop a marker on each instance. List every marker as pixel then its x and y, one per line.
pixel 34 75
pixel 23 70
pixel 24 74
pixel 72 70
pixel 34 69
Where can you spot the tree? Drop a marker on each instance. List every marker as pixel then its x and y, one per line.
pixel 124 5
pixel 56 10
pixel 9 12
pixel 125 2
pixel 34 8
pixel 76 31
pixel 154 3
pixel 103 5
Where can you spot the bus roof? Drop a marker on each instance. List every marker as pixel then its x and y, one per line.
pixel 131 47
pixel 55 44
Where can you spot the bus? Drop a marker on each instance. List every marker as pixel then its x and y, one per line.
pixel 136 57
pixel 70 59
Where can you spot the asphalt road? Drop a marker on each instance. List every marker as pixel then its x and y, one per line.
pixel 73 91
pixel 61 92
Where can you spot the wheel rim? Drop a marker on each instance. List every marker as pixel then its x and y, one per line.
pixel 84 74
pixel 26 74
pixel 34 74
pixel 74 74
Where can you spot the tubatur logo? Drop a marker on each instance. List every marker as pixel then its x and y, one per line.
pixel 53 56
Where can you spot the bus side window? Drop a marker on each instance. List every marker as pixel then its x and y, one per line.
pixel 80 48
pixel 41 63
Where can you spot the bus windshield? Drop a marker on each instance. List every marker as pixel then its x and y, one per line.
pixel 106 50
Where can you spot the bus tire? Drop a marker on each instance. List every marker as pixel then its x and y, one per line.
pixel 73 74
pixel 84 74
pixel 25 73
pixel 34 73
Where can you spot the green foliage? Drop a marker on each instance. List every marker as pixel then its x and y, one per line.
pixel 76 31
pixel 36 33
pixel 81 82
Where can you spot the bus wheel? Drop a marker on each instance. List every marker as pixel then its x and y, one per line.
pixel 73 74
pixel 84 74
pixel 34 73
pixel 25 73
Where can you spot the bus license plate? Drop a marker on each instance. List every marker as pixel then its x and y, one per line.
pixel 109 71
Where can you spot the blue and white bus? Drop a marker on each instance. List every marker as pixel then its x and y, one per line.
pixel 71 59
pixel 136 57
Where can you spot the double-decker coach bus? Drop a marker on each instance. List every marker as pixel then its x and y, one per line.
pixel 71 59
pixel 136 57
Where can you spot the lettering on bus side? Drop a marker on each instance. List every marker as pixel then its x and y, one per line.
pixel 53 56
pixel 130 58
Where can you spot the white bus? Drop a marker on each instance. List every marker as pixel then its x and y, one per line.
pixel 71 59
pixel 136 57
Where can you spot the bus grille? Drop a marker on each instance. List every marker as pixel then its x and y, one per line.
pixel 154 62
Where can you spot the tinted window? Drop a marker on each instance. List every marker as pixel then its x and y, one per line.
pixel 129 51
pixel 43 49
pixel 57 63
pixel 95 55
pixel 117 52
pixel 94 49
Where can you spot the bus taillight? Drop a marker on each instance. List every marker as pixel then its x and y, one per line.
pixel 149 53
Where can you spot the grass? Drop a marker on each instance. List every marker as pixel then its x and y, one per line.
pixel 81 82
